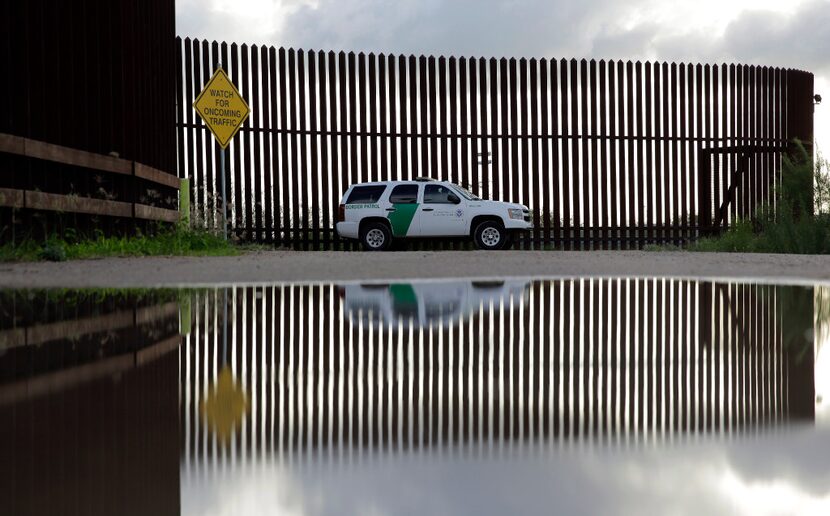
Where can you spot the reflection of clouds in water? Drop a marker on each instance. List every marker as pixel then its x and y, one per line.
pixel 823 381
pixel 771 498
pixel 782 474
pixel 262 489
pixel 771 474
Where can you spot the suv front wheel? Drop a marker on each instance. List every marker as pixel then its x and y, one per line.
pixel 376 236
pixel 490 235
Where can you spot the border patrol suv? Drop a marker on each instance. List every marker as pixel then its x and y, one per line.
pixel 375 213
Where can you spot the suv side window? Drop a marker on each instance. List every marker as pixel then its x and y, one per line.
pixel 437 194
pixel 366 194
pixel 404 194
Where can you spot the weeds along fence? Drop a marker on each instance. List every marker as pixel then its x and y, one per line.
pixel 607 154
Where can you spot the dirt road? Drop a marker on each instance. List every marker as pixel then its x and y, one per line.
pixel 284 266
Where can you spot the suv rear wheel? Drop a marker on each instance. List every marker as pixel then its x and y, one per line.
pixel 376 236
pixel 490 235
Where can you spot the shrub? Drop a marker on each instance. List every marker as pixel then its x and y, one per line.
pixel 799 220
pixel 53 251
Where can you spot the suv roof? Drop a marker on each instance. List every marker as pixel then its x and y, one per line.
pixel 405 181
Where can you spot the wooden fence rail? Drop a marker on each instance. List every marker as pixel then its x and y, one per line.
pixel 23 196
pixel 607 154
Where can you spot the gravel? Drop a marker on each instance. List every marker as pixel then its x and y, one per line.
pixel 294 266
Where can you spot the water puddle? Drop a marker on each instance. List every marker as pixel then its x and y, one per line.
pixel 453 397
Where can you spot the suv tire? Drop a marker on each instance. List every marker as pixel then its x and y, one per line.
pixel 490 235
pixel 376 236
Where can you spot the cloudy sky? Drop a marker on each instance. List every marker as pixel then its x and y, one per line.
pixel 790 33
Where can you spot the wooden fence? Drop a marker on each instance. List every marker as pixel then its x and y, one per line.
pixel 133 200
pixel 607 154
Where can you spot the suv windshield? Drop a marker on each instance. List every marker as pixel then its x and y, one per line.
pixel 465 193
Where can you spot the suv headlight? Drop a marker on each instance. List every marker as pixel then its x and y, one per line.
pixel 516 213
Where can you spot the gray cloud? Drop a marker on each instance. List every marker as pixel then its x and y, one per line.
pixel 554 28
pixel 799 40
pixel 611 42
pixel 466 27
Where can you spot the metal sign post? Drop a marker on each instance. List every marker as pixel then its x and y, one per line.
pixel 224 111
pixel 224 197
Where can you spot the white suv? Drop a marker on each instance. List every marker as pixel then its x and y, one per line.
pixel 375 213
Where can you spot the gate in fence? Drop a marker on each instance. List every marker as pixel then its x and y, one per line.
pixel 607 154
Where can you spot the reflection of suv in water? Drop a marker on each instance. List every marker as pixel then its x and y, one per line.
pixel 375 213
pixel 425 303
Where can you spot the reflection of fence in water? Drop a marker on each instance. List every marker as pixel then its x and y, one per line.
pixel 595 358
pixel 822 353
pixel 51 345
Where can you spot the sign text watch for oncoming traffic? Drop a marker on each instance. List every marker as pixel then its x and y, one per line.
pixel 222 107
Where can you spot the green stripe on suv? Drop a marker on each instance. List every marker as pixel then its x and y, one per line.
pixel 401 218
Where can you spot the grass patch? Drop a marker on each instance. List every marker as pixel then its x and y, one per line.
pixel 26 251
pixel 170 242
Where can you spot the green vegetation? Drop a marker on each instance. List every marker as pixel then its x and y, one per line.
pixel 177 241
pixel 798 225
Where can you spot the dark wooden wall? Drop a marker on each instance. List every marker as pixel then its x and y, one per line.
pixel 87 75
pixel 93 75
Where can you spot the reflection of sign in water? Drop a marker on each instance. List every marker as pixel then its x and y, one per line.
pixel 225 406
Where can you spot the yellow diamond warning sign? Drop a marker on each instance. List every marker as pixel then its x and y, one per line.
pixel 222 107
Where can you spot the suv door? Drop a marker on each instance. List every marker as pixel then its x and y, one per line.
pixel 442 212
pixel 403 209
